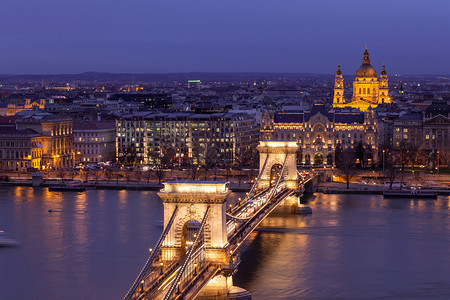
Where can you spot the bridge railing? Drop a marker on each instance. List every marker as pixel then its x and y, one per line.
pixel 258 178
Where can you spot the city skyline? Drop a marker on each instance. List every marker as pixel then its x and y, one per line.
pixel 266 36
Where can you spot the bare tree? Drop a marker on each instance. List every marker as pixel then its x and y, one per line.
pixel 118 175
pixel 72 174
pixel 211 158
pixel 197 151
pixel 61 174
pixel 415 151
pixel 108 174
pixel 96 175
pixel 389 169
pixel 138 175
pixel 86 175
pixel 346 165
pixel 148 175
pixel 128 175
pixel 403 154
pixel 128 156
pixel 360 153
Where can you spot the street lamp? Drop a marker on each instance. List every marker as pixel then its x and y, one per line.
pixel 383 159
pixel 437 162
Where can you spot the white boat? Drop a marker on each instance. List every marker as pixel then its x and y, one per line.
pixel 6 241
pixel 410 193
pixel 75 186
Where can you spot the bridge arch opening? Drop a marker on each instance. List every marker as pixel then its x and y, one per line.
pixel 275 172
pixel 190 231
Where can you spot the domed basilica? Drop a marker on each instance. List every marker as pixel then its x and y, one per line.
pixel 368 91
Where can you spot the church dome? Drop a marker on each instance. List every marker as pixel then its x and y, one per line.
pixel 366 69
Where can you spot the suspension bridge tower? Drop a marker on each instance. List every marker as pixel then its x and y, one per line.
pixel 277 157
pixel 199 208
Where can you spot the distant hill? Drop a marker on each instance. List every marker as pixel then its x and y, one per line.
pixel 149 77
pixel 184 77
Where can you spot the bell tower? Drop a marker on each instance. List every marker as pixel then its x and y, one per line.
pixel 383 96
pixel 338 87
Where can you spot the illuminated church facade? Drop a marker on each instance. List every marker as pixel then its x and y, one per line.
pixel 368 89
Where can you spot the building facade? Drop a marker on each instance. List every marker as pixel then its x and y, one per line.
pixel 190 137
pixel 426 132
pixel 19 149
pixel 368 89
pixel 94 141
pixel 318 131
pixel 56 138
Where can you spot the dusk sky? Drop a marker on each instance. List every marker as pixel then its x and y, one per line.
pixel 152 36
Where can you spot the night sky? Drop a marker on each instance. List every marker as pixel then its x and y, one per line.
pixel 152 36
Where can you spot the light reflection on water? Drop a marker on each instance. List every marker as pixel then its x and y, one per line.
pixel 352 247
pixel 91 246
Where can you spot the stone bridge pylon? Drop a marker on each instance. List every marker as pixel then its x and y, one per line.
pixel 195 201
pixel 272 155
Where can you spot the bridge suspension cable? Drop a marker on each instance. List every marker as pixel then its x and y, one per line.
pixel 272 192
pixel 152 257
pixel 191 251
pixel 257 179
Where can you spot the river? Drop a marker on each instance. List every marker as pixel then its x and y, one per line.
pixel 94 243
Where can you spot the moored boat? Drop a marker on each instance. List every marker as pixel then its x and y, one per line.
pixel 410 193
pixel 75 186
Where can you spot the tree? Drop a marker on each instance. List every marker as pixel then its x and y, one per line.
pixel 96 175
pixel 347 166
pixel 197 150
pixel 108 174
pixel 128 175
pixel 211 158
pixel 128 156
pixel 162 157
pixel 86 175
pixel 138 175
pixel 360 153
pixel 403 154
pixel 148 175
pixel 338 155
pixel 415 151
pixel 72 174
pixel 389 169
pixel 61 174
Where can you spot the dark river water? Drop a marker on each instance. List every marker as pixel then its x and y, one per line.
pixel 93 245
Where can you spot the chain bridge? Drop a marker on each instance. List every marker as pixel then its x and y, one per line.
pixel 198 250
